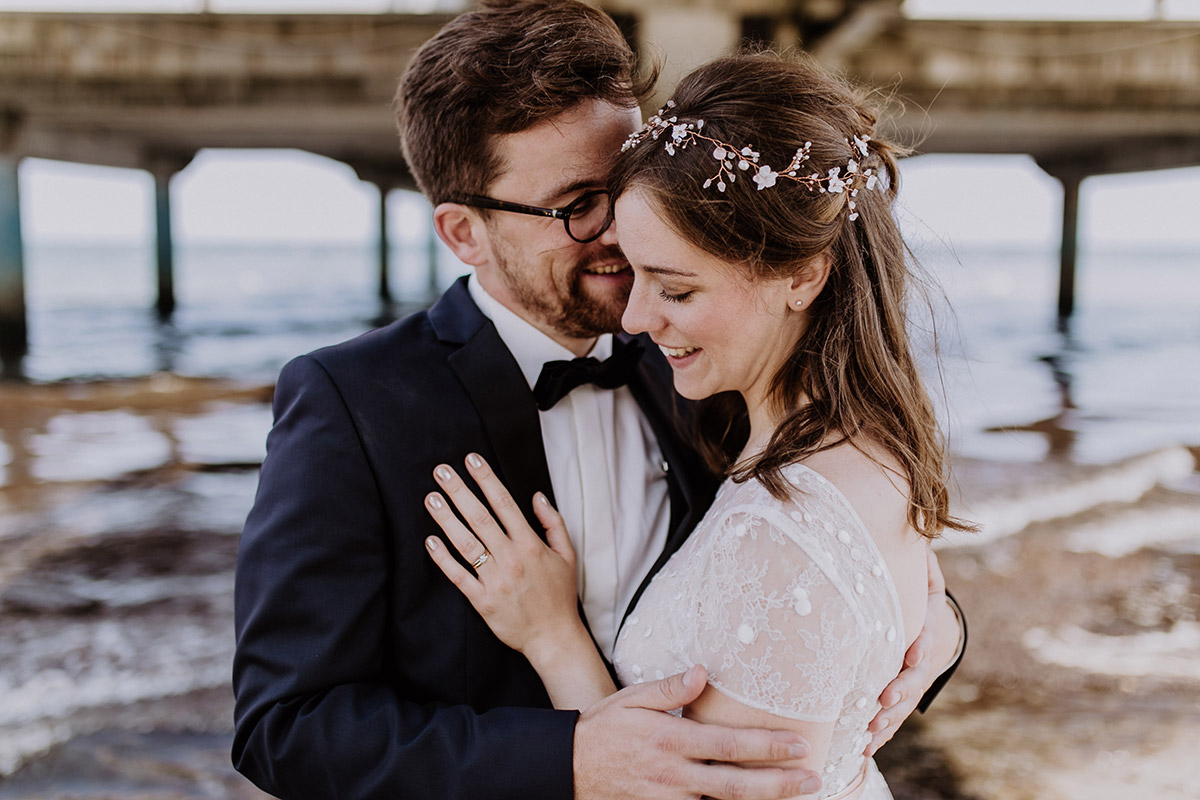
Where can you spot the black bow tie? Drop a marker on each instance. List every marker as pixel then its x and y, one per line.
pixel 558 378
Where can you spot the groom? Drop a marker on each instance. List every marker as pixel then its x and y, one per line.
pixel 360 671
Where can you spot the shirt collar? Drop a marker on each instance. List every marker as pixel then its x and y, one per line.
pixel 529 346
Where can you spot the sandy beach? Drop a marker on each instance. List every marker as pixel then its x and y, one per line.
pixel 122 502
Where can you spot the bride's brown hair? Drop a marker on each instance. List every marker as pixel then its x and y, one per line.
pixel 851 376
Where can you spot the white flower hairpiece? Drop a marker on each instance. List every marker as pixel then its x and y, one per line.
pixel 730 160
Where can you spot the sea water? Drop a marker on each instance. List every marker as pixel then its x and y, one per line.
pixel 126 461
pixel 1129 365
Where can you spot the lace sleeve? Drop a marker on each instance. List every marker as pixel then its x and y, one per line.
pixel 775 626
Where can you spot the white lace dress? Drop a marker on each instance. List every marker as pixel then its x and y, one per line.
pixel 791 609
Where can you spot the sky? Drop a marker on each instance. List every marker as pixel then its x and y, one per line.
pixel 280 195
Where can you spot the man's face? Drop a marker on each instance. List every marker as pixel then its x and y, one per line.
pixel 570 291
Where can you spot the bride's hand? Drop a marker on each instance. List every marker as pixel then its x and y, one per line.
pixel 524 589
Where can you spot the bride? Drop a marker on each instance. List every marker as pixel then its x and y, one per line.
pixel 756 212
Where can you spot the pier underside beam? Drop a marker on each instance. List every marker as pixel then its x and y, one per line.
pixel 14 336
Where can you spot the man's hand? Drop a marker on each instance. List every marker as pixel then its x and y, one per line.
pixel 627 747
pixel 940 638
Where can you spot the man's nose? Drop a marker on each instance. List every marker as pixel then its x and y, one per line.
pixel 609 237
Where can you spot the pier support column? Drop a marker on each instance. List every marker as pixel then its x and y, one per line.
pixel 14 336
pixel 164 247
pixel 385 246
pixel 164 166
pixel 386 176
pixel 1069 253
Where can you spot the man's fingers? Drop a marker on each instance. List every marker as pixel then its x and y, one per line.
pixel 887 722
pixel 906 686
pixel 937 581
pixel 725 782
pixel 899 700
pixel 668 694
pixel 739 745
pixel 917 650
pixel 710 742
pixel 879 739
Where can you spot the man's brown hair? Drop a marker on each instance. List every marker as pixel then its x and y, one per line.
pixel 501 69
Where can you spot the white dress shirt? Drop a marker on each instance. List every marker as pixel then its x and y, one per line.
pixel 606 468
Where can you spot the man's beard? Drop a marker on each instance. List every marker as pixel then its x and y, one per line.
pixel 576 315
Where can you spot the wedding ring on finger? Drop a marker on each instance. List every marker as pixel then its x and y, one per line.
pixel 479 562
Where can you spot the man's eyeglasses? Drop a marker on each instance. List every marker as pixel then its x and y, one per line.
pixel 586 218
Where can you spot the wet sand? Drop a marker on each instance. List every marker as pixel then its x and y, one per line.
pixel 121 504
pixel 1082 678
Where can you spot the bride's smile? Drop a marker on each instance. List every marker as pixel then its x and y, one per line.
pixel 720 329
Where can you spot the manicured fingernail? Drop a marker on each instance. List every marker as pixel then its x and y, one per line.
pixel 475 461
pixel 798 750
pixel 920 657
pixel 435 501
pixel 811 786
pixel 443 473
pixel 883 723
pixel 432 543
pixel 541 498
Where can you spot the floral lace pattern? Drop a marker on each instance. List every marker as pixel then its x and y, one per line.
pixel 788 605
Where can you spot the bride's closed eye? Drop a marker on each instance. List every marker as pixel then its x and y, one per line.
pixel 675 298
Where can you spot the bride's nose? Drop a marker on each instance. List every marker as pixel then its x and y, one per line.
pixel 639 316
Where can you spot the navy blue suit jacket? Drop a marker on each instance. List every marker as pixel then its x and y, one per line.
pixel 360 670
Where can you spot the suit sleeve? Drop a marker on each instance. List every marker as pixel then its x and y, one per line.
pixel 316 715
pixel 944 678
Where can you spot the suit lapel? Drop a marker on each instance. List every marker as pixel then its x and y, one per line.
pixel 493 380
pixel 691 485
pixel 497 387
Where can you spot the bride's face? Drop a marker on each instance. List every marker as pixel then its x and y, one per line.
pixel 720 329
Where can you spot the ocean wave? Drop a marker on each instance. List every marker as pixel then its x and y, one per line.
pixel 1171 653
pixel 1074 492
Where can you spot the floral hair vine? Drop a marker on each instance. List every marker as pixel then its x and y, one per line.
pixel 730 160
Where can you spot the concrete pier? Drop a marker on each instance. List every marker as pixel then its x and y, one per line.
pixel 14 336
pixel 1087 97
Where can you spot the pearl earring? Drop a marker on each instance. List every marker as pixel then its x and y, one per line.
pixel 799 303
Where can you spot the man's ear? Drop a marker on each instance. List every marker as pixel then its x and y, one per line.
pixel 809 281
pixel 463 232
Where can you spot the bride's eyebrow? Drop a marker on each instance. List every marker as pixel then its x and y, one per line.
pixel 679 273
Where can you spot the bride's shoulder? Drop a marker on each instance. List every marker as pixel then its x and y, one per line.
pixel 859 478
pixel 870 479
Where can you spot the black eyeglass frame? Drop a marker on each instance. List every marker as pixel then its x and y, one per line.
pixel 565 213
